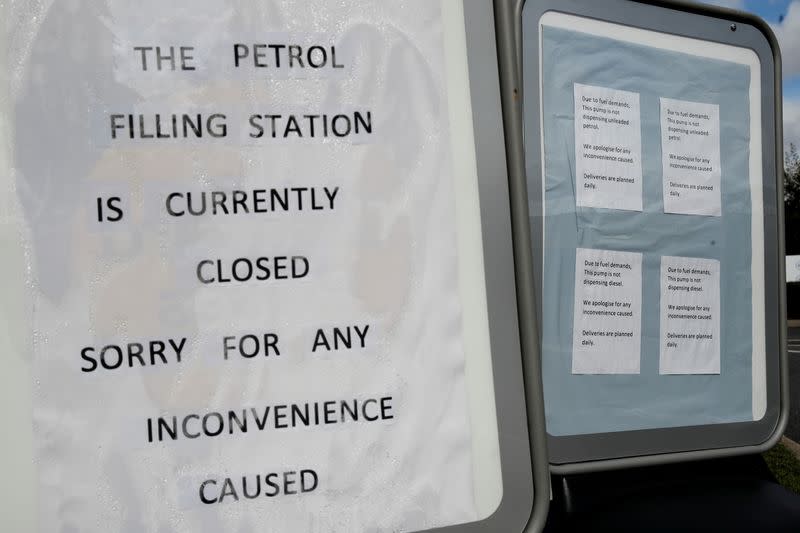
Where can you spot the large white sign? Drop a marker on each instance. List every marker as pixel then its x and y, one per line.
pixel 240 225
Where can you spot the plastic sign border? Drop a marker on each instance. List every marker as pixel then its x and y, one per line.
pixel 523 456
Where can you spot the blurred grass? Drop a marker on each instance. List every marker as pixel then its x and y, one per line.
pixel 785 466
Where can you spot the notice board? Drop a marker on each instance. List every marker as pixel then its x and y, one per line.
pixel 650 154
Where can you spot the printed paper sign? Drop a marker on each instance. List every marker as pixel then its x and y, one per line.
pixel 244 318
pixel 607 325
pixel 608 148
pixel 689 316
pixel 690 157
pixel 792 268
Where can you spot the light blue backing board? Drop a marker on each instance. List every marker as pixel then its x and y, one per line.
pixel 586 404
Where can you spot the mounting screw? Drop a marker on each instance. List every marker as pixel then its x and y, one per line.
pixel 733 27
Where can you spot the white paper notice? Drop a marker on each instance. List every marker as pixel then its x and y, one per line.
pixel 792 268
pixel 246 307
pixel 607 325
pixel 690 157
pixel 608 148
pixel 689 316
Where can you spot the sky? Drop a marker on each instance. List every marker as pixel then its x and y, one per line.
pixel 784 17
